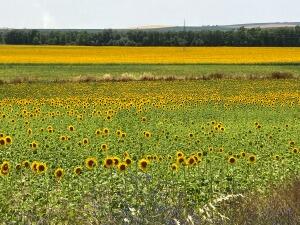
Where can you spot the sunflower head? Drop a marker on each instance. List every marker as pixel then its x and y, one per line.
pixel 179 154
pixel 105 131
pixel 59 173
pixel 18 166
pixel 26 164
pixel 71 128
pixel 34 166
pixel 118 133
pixel 109 162
pixel 252 158
pixel 122 166
pixel 5 167
pixel 174 167
pixel 232 160
pixel 128 161
pixel 8 140
pixel 78 170
pixel 85 141
pixel 190 161
pixel 41 167
pixel 116 161
pixel 2 141
pixel 104 147
pixel 91 163
pixel 143 164
pixel 34 145
pixel 147 134
pixel 63 138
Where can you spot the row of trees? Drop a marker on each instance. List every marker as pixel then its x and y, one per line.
pixel 239 37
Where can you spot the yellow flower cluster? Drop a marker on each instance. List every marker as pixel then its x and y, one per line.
pixel 148 55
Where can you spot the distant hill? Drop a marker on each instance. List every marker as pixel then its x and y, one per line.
pixel 181 28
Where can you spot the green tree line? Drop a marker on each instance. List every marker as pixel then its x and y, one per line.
pixel 238 37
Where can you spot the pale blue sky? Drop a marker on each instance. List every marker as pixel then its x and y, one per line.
pixel 132 13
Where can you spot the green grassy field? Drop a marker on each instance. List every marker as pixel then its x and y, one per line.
pixel 58 72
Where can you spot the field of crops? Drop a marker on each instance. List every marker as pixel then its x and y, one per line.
pixel 147 55
pixel 142 152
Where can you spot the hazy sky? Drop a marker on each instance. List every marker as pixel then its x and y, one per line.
pixel 132 13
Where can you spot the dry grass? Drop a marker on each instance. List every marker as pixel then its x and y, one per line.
pixel 280 207
pixel 282 75
pixel 127 77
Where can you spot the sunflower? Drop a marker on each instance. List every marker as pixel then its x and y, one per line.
pixel 85 141
pixel 41 167
pixel 276 157
pixel 199 154
pixel 252 158
pixel 91 163
pixel 180 160
pixel 59 173
pixel 190 161
pixel 125 154
pixel 29 131
pixel 122 166
pixel 2 141
pixel 295 150
pixel 98 132
pixel 143 164
pixel 104 147
pixel 105 131
pixel 33 144
pixel 147 134
pixel 78 170
pixel 291 143
pixel 109 162
pixel 71 128
pixel 5 166
pixel 18 166
pixel 26 164
pixel 118 133
pixel 196 158
pixel 128 161
pixel 116 161
pixel 232 160
pixel 34 166
pixel 179 154
pixel 63 138
pixel 174 166
pixel 243 154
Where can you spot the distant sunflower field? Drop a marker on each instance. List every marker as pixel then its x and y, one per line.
pixel 10 54
pixel 142 152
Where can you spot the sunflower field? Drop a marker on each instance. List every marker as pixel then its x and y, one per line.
pixel 156 152
pixel 18 54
